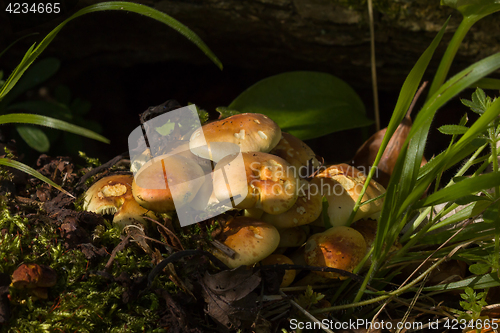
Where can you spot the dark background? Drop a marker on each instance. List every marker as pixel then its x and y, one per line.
pixel 122 63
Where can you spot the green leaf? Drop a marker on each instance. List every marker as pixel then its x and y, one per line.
pixel 34 137
pixel 465 305
pixel 460 149
pixel 461 189
pixel 305 104
pixel 487 83
pixel 202 114
pixel 473 11
pixel 475 282
pixel 15 42
pixel 473 7
pixel 33 52
pixel 23 118
pixel 483 229
pixel 405 98
pixel 30 171
pixel 465 200
pixel 165 129
pixel 490 215
pixel 453 129
pixel 226 112
pixel 459 178
pixel 479 269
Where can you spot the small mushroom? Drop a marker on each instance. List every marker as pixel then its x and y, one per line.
pixel 165 180
pixel 338 247
pixel 297 153
pixel 252 132
pixel 250 239
pixel 341 185
pixel 36 278
pixel 275 259
pixel 266 184
pixel 306 209
pixel 113 195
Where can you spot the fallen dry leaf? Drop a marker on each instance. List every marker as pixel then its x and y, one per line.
pixel 230 297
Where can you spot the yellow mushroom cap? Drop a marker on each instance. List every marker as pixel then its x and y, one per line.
pixel 252 132
pixel 266 184
pixel 167 179
pixel 297 153
pixel 252 240
pixel 305 210
pixel 113 195
pixel 274 259
pixel 341 185
pixel 338 247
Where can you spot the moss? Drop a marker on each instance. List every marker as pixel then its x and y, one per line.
pixel 83 300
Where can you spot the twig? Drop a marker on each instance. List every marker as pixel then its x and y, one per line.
pixel 300 288
pixel 413 301
pixel 179 255
pixel 117 249
pixel 311 268
pixel 224 248
pixel 415 98
pixel 100 168
pixel 168 231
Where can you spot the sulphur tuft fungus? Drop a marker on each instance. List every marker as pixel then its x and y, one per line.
pixel 306 209
pixel 266 184
pixel 167 179
pixel 250 132
pixel 341 185
pixel 338 247
pixel 297 153
pixel 113 195
pixel 250 239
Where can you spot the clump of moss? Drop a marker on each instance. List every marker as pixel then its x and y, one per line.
pixel 86 298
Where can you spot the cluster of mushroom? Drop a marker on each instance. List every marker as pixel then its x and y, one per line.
pixel 275 180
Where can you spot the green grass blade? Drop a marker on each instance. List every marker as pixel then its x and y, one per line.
pixel 476 229
pixel 487 83
pixel 405 98
pixel 450 89
pixel 25 118
pixel 406 95
pixel 30 171
pixel 31 55
pixel 460 189
pixel 15 42
pixel 475 282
